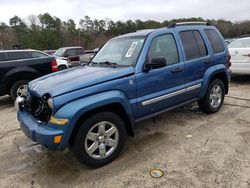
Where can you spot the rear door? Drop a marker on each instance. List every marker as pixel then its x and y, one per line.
pixel 196 61
pixel 161 88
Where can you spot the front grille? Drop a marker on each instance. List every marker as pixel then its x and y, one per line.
pixel 39 108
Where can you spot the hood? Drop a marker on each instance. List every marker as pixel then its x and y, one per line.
pixel 76 78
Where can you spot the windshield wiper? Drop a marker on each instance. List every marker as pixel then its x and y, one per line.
pixel 108 63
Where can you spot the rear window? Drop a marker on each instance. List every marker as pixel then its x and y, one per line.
pixel 215 41
pixel 17 55
pixel 193 44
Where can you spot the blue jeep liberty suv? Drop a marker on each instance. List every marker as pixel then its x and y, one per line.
pixel 92 108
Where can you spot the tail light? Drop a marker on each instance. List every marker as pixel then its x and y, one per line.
pixel 229 60
pixel 54 66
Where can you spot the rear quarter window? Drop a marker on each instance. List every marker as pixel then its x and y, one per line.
pixel 215 40
pixel 35 54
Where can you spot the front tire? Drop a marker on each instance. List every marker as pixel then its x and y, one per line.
pixel 100 139
pixel 19 89
pixel 214 97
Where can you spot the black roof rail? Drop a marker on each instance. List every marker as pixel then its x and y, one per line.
pixel 188 23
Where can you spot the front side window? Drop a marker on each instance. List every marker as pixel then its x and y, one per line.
pixel 18 55
pixel 215 40
pixel 193 44
pixel 120 51
pixel 164 46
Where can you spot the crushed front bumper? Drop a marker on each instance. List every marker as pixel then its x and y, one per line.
pixel 38 132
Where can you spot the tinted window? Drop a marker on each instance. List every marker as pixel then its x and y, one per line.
pixel 71 52
pixel 201 44
pixel 164 46
pixel 79 51
pixel 38 54
pixel 17 55
pixel 2 56
pixel 193 44
pixel 215 40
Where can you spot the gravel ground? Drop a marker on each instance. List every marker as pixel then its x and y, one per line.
pixel 193 149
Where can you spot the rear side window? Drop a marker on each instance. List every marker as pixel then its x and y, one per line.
pixel 71 52
pixel 193 44
pixel 80 51
pixel 17 55
pixel 2 56
pixel 201 44
pixel 35 54
pixel 215 41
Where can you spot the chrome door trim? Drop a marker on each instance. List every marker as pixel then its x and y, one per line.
pixel 169 95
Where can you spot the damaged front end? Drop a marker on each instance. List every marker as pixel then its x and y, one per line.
pixel 38 107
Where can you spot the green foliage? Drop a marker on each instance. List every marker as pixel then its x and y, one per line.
pixel 49 32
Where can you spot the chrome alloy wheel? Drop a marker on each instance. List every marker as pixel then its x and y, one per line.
pixel 215 96
pixel 22 91
pixel 101 140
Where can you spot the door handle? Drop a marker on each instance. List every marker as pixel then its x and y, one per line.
pixel 177 69
pixel 208 61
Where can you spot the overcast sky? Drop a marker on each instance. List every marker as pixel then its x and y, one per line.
pixel 233 10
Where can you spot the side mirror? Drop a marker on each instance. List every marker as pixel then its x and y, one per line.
pixel 156 63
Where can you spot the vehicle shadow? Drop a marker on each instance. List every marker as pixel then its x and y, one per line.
pixel 56 166
pixel 241 79
pixel 6 101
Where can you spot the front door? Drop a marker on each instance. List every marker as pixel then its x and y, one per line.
pixel 158 89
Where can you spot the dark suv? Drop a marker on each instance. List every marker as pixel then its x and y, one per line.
pixel 18 67
pixel 132 77
pixel 72 53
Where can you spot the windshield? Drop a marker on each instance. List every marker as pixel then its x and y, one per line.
pixel 59 52
pixel 240 43
pixel 121 51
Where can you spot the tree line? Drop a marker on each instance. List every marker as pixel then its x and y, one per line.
pixel 49 32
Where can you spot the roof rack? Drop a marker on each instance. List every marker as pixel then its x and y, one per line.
pixel 188 23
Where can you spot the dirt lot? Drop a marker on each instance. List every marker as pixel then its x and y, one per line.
pixel 193 149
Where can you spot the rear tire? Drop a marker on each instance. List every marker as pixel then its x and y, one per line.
pixel 100 139
pixel 214 97
pixel 19 88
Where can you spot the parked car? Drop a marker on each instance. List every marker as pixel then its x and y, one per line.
pixel 133 77
pixel 18 67
pixel 89 54
pixel 240 52
pixel 72 53
pixel 62 62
